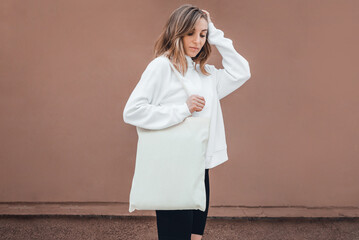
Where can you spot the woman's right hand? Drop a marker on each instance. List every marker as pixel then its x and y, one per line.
pixel 195 103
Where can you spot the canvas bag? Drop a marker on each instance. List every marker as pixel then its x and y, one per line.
pixel 170 165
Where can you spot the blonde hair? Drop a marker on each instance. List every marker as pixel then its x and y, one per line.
pixel 170 43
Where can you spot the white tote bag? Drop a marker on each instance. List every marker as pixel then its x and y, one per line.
pixel 170 165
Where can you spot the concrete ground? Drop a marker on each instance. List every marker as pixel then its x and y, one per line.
pixel 106 227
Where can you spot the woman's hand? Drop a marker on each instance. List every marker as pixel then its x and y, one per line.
pixel 195 103
pixel 207 13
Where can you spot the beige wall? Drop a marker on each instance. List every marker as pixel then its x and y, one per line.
pixel 68 67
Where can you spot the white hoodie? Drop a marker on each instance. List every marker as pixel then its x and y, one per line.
pixel 159 101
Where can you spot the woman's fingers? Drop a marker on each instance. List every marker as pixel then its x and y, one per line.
pixel 199 102
pixel 206 12
pixel 196 103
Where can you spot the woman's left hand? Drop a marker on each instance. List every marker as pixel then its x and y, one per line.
pixel 209 18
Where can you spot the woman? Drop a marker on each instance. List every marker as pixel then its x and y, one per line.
pixel 159 101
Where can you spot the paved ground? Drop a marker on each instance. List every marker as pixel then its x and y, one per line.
pixel 144 228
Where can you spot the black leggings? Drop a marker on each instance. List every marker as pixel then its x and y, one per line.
pixel 180 224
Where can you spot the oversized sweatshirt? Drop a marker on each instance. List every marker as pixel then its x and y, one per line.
pixel 159 101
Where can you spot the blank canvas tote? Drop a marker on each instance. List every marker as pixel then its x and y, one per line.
pixel 170 166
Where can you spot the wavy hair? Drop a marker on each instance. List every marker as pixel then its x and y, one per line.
pixel 170 41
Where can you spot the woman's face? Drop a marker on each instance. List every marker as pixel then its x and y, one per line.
pixel 194 40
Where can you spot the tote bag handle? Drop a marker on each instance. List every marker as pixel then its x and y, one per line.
pixel 180 78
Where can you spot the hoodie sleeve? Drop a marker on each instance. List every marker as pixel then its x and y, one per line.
pixel 236 68
pixel 140 109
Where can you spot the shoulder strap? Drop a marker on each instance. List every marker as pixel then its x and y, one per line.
pixel 179 77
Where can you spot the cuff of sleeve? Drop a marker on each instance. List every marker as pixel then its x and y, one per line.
pixel 211 32
pixel 185 110
pixel 211 28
